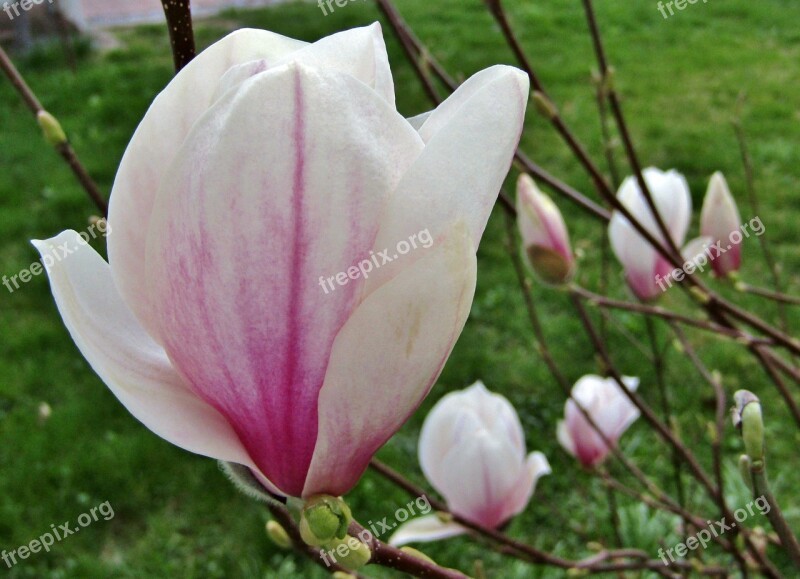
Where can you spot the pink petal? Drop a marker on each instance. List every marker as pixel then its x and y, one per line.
pixel 479 477
pixel 262 204
pixel 386 359
pixel 540 221
pixel 718 220
pixel 126 358
pixel 457 417
pixel 154 145
pixel 536 466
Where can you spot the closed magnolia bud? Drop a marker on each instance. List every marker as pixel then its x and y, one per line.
pixel 745 465
pixel 472 450
pixel 719 220
pixel 278 535
pixel 351 553
pixel 747 417
pixel 53 132
pixel 611 411
pixel 644 266
pixel 418 554
pixel 544 234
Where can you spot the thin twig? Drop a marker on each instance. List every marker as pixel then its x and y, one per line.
pixel 664 431
pixel 755 205
pixel 594 564
pixel 64 148
pixel 721 408
pixel 781 298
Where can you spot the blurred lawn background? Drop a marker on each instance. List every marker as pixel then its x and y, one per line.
pixel 175 514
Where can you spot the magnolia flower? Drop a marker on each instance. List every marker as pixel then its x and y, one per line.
pixel 719 220
pixel 643 264
pixel 610 410
pixel 544 233
pixel 264 165
pixel 472 450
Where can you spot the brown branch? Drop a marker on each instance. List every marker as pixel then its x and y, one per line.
pixel 721 409
pixel 594 564
pixel 777 296
pixel 688 457
pixel 659 312
pixel 394 558
pixel 63 147
pixel 181 34
pixel 755 205
pixel 281 515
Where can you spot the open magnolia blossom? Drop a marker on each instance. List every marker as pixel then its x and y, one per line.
pixel 472 451
pixel 544 233
pixel 719 219
pixel 266 164
pixel 643 264
pixel 610 410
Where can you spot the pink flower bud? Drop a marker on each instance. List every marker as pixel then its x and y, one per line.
pixel 720 220
pixel 609 408
pixel 544 234
pixel 472 450
pixel 644 265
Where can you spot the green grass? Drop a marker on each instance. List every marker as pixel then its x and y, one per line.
pixel 175 514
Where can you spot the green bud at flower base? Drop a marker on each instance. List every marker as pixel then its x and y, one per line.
pixel 417 554
pixel 278 535
pixel 753 431
pixel 351 553
pixel 747 417
pixel 324 518
pixel 53 133
pixel 744 470
pixel 342 575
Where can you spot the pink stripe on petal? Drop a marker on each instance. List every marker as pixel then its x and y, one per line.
pixel 134 367
pixel 262 202
pixel 155 144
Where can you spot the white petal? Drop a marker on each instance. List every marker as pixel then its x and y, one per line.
pixel 399 340
pixel 463 165
pixel 425 529
pixel 134 367
pixel 479 475
pixel 155 144
pixel 695 248
pixel 419 120
pixel 536 466
pixel 564 437
pixel 359 52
